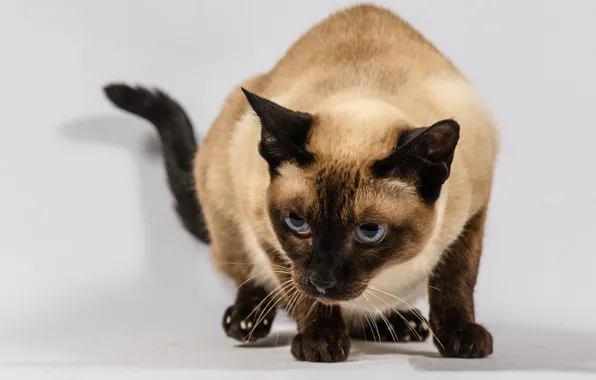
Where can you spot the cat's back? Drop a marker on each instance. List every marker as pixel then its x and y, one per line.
pixel 364 50
pixel 361 43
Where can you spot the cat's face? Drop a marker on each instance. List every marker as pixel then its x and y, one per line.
pixel 340 226
pixel 346 205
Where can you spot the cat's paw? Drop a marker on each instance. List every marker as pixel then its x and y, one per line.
pixel 465 341
pixel 402 327
pixel 324 345
pixel 246 322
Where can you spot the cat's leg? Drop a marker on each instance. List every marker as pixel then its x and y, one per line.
pixel 322 333
pixel 407 326
pixel 250 317
pixel 451 296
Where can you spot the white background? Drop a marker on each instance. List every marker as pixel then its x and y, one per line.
pixel 95 270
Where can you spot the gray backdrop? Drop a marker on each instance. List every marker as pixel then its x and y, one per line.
pixel 95 269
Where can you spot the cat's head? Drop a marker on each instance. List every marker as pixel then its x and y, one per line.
pixel 353 189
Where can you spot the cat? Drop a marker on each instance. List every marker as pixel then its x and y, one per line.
pixel 343 185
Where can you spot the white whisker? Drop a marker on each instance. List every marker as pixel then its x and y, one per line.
pixel 391 330
pixel 413 311
pixel 267 309
pixel 406 322
pixel 278 289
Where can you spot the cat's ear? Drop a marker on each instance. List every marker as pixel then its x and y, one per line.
pixel 423 155
pixel 284 132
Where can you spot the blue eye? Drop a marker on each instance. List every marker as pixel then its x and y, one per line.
pixel 371 233
pixel 296 223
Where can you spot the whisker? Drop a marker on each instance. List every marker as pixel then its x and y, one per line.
pixel 361 320
pixel 268 296
pixel 257 275
pixel 391 330
pixel 296 303
pixel 413 311
pixel 407 323
pixel 289 291
pixel 362 325
pixel 262 273
pixel 370 321
pixel 276 299
pixel 374 325
pixel 248 280
pixel 287 269
pixel 293 298
pixel 366 318
pixel 312 307
pixel 267 309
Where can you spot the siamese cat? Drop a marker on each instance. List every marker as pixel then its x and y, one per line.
pixel 343 185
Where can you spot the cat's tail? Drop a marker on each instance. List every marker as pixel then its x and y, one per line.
pixel 178 142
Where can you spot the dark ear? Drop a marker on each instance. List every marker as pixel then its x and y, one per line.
pixel 423 155
pixel 283 132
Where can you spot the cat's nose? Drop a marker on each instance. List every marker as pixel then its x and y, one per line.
pixel 322 285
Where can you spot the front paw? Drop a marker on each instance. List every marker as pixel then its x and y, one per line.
pixel 466 341
pixel 321 346
pixel 246 322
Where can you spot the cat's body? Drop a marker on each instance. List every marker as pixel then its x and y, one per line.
pixel 362 79
pixel 365 57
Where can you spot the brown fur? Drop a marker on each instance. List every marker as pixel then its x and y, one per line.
pixel 451 287
pixel 367 78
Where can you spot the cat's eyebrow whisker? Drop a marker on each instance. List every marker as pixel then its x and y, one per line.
pixel 391 330
pixel 413 311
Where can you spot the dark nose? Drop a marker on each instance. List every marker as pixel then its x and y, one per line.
pixel 322 285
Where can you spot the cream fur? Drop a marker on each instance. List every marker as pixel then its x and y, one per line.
pixel 387 74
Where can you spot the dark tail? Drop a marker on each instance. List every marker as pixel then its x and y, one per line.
pixel 178 144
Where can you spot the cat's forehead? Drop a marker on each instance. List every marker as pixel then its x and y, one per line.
pixel 343 192
pixel 356 131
